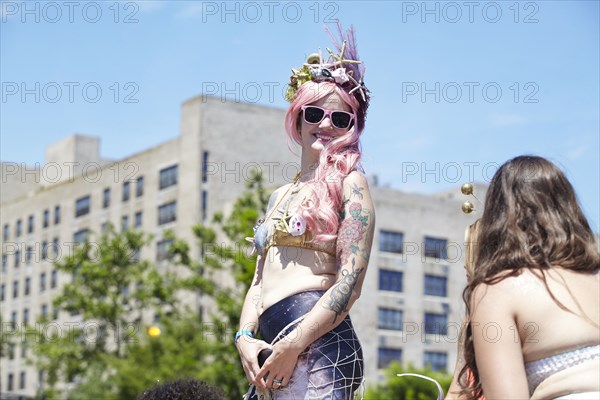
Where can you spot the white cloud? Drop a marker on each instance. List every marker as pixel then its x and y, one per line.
pixel 577 146
pixel 149 5
pixel 190 10
pixel 505 120
pixel 415 141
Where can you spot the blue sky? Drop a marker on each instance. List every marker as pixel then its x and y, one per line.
pixel 458 87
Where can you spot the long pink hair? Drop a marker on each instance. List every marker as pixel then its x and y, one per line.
pixel 339 157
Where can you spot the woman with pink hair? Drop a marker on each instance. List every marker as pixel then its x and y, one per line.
pixel 314 243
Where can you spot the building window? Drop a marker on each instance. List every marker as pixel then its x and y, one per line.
pixel 46 219
pixel 390 280
pixel 82 206
pixel 2 290
pixel 162 249
pixel 106 198
pixel 44 249
pixel 386 355
pixel 53 279
pixel 17 258
pixel 124 222
pixel 438 361
pixel 135 256
pixel 27 286
pixel 10 381
pixel 204 204
pixel 389 319
pixel 55 313
pixel 13 319
pixel 28 255
pixel 42 281
pixel 23 350
pixel 436 323
pixel 44 310
pixel 79 236
pixel 5 232
pixel 22 380
pixel 138 219
pixel 392 242
pixel 4 262
pixel 11 350
pixel 30 224
pixel 205 166
pixel 18 228
pixel 126 190
pixel 167 177
pixel 104 227
pixel 167 213
pixel 56 215
pixel 139 186
pixel 55 247
pixel 26 316
pixel 435 285
pixel 435 248
pixel 15 289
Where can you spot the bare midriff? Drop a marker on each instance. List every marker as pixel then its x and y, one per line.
pixel 291 270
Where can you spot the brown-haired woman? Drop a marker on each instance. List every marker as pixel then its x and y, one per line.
pixel 534 298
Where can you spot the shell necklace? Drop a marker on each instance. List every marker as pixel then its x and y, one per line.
pixel 260 229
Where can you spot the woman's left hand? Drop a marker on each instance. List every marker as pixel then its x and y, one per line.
pixel 279 367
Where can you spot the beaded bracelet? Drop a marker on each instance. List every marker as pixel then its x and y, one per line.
pixel 242 333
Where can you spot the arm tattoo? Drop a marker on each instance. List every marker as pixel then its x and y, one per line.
pixel 352 231
pixel 342 291
pixel 356 191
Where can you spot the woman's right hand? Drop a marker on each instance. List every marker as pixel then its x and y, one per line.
pixel 249 349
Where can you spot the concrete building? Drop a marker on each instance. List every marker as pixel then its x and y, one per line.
pixel 410 308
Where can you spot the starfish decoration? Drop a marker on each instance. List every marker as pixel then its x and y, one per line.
pixel 315 69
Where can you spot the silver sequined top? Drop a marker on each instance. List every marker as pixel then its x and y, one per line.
pixel 538 370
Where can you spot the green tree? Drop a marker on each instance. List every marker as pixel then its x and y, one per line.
pixel 233 256
pixel 408 387
pixel 110 288
pixel 178 352
pixel 191 347
pixel 6 339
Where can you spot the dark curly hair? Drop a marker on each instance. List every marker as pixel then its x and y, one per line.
pixel 183 389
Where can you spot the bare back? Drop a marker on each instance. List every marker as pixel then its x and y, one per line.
pixel 519 322
pixel 546 330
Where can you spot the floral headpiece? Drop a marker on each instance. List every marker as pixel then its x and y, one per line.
pixel 335 69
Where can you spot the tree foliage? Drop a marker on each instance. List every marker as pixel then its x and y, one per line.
pixel 408 387
pixel 109 290
pixel 113 290
pixel 233 256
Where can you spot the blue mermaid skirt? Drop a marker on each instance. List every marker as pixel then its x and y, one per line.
pixel 330 368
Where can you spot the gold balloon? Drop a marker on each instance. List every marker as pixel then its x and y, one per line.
pixel 467 207
pixel 467 189
pixel 313 59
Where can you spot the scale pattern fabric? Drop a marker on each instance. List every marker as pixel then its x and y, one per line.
pixel 539 370
pixel 330 368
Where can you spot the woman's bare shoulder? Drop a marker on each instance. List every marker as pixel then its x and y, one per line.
pixel 356 182
pixel 504 286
